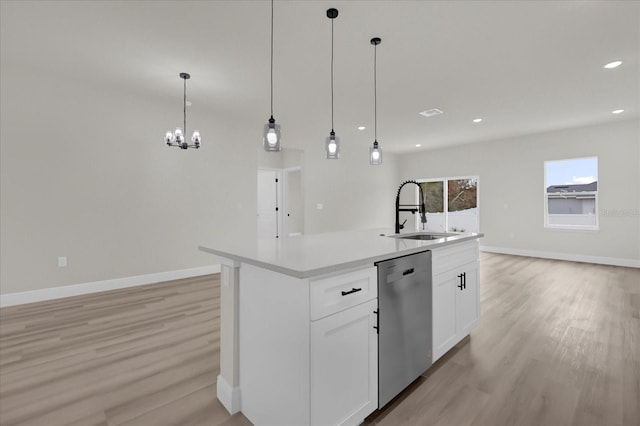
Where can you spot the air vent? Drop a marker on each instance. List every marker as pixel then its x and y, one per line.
pixel 431 112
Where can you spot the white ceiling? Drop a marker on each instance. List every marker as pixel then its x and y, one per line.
pixel 522 66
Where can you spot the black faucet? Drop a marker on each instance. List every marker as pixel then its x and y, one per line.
pixel 413 208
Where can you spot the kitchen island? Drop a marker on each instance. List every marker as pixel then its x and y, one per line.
pixel 299 317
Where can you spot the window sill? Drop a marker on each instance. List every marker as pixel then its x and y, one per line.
pixel 578 228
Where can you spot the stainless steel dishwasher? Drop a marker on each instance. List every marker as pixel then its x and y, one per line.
pixel 404 322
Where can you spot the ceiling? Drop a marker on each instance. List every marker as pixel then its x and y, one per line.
pixel 522 66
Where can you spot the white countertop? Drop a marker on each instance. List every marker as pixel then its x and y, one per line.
pixel 317 254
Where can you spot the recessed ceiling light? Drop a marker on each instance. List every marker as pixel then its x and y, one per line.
pixel 431 112
pixel 612 65
pixel 617 111
pixel 477 120
pixel 418 145
pixel 361 127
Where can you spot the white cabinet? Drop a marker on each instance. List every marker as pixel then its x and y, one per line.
pixel 456 296
pixel 444 314
pixel 308 348
pixel 338 292
pixel 467 299
pixel 344 366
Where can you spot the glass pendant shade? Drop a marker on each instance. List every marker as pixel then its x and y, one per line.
pixel 333 146
pixel 375 154
pixel 179 135
pixel 271 137
pixel 195 138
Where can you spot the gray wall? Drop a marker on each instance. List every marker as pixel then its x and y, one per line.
pixel 512 186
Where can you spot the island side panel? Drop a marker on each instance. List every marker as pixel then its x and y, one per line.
pixel 228 381
pixel 274 347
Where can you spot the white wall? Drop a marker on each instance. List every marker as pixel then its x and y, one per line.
pixel 85 174
pixel 512 183
pixel 353 194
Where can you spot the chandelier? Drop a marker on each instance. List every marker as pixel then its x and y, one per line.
pixel 176 138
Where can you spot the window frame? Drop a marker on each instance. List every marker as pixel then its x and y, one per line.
pixel 445 200
pixel 567 227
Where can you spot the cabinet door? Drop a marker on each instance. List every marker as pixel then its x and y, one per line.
pixel 444 313
pixel 468 299
pixel 344 366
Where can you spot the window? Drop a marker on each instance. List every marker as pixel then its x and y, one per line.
pixel 571 193
pixel 452 204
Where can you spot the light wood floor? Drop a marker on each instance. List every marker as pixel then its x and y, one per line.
pixel 558 344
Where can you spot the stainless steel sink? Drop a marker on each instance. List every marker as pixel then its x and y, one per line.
pixel 423 236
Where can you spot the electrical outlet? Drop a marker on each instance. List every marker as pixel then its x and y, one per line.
pixel 62 262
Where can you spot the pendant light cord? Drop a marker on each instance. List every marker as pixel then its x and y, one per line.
pixel 332 75
pixel 375 94
pixel 184 107
pixel 271 58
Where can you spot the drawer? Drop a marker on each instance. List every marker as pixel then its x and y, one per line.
pixel 450 257
pixel 336 293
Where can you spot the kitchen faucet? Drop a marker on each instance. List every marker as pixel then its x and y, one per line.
pixel 413 208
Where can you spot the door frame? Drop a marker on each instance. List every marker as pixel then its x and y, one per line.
pixel 279 198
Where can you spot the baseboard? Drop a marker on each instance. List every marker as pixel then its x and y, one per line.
pixel 228 396
pixel 23 297
pixel 630 263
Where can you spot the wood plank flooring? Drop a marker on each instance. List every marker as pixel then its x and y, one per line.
pixel 142 356
pixel 558 344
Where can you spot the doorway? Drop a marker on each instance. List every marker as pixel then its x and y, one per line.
pixel 280 211
pixel 280 203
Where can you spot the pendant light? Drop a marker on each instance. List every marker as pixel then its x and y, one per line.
pixel 332 148
pixel 375 152
pixel 271 137
pixel 176 138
